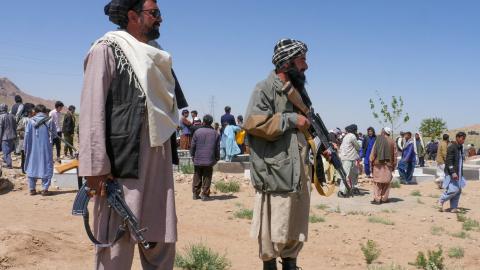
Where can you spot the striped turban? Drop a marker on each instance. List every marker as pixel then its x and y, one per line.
pixel 287 50
pixel 117 11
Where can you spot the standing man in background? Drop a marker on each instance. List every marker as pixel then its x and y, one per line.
pixel 383 159
pixel 441 158
pixel 8 134
pixel 56 115
pixel 205 152
pixel 17 111
pixel 349 156
pixel 69 130
pixel 227 119
pixel 39 150
pixel 186 131
pixel 406 166
pixel 367 146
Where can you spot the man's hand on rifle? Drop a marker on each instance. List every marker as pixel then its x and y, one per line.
pixel 302 123
pixel 327 155
pixel 97 184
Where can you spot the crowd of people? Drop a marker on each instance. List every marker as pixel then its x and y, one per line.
pixel 377 156
pixel 30 131
pixel 209 143
pixel 230 131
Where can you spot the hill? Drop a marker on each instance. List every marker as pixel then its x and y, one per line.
pixel 8 90
pixel 473 134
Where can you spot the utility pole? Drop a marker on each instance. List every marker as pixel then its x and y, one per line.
pixel 212 106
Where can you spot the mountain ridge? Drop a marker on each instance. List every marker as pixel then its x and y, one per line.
pixel 8 90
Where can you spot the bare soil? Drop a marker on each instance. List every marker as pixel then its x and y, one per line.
pixel 40 233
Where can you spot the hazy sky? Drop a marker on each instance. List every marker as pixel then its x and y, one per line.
pixel 428 52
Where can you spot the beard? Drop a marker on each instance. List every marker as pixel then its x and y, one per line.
pixel 297 78
pixel 152 32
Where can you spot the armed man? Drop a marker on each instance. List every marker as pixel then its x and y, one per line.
pixel 279 159
pixel 128 115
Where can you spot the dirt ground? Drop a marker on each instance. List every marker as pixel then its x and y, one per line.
pixel 40 233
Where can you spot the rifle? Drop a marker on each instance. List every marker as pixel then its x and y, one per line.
pixel 319 133
pixel 117 203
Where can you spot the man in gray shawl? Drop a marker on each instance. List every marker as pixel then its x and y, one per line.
pixel 279 163
pixel 129 113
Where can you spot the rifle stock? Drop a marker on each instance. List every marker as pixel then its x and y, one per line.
pixel 67 166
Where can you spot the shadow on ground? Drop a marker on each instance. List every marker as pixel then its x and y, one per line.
pixel 61 192
pixel 5 186
pixel 222 197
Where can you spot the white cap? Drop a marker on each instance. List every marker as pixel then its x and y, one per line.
pixel 387 130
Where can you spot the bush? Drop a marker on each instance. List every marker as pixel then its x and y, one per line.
pixel 389 267
pixel 470 224
pixel 370 251
pixel 187 169
pixel 227 187
pixel 456 252
pixel 321 206
pixel 461 217
pixel 316 219
pixel 395 184
pixel 416 193
pixel 461 234
pixel 433 261
pixel 243 213
pixel 200 257
pixel 436 230
pixel 357 213
pixel 380 220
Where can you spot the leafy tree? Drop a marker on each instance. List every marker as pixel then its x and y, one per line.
pixel 433 127
pixel 391 114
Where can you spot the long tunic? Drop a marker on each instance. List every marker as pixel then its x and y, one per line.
pixel 278 154
pixel 382 170
pixel 151 197
pixel 38 148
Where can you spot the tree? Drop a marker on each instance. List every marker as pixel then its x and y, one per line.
pixel 392 114
pixel 433 127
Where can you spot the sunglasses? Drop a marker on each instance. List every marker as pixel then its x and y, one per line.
pixel 153 12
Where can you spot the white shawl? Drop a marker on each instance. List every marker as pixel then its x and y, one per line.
pixel 153 69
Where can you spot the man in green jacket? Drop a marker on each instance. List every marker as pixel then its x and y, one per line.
pixel 279 162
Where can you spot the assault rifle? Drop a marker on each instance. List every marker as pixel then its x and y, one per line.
pixel 117 203
pixel 319 133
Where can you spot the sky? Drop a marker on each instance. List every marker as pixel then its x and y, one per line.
pixel 426 51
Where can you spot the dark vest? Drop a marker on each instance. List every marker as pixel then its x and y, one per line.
pixel 125 114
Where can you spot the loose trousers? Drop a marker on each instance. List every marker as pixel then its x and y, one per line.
pixel 202 179
pixel 32 182
pixel 67 149
pixel 350 167
pixel 7 149
pixel 161 256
